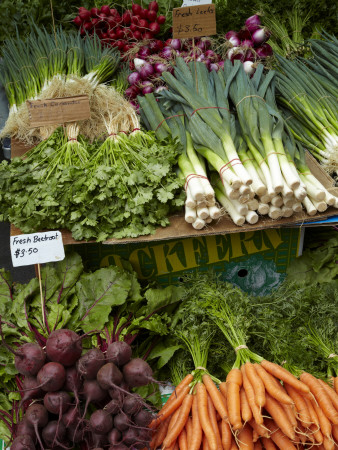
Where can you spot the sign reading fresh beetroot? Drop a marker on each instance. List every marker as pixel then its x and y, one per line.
pixel 194 21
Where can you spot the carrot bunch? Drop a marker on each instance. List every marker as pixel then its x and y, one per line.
pixel 259 406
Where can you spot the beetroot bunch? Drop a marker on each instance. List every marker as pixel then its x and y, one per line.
pixel 71 396
pixel 121 31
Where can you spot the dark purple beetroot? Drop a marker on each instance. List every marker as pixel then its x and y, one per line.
pixel 114 436
pixel 57 402
pixel 73 380
pixel 101 422
pixel 64 346
pixel 52 377
pixel 53 432
pixel 92 392
pixel 90 363
pixel 100 440
pixel 143 418
pixel 130 437
pixel 137 373
pixel 30 389
pixel 71 417
pixel 37 416
pixel 24 442
pixel 119 353
pixel 76 433
pixel 121 422
pixel 118 447
pixel 29 358
pixel 25 428
pixel 113 407
pixel 109 376
pixel 132 404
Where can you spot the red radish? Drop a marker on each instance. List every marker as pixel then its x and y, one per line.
pixel 95 22
pixel 105 10
pixel 120 44
pixel 137 373
pixel 51 377
pixel 53 433
pixel 57 402
pixel 24 428
pixel 147 35
pixel 104 36
pixel 151 15
pixel 154 28
pixel 64 346
pixel 112 35
pixel 143 24
pixel 121 422
pixel 111 22
pixel 84 14
pixel 94 12
pixel 23 442
pixel 90 363
pixel 153 6
pixel 113 12
pixel 136 9
pixel 161 20
pixel 77 21
pixel 137 35
pixel 136 19
pixel 114 436
pixel 37 416
pixel 30 389
pixel 126 18
pixel 101 422
pixel 87 26
pixel 144 13
pixel 109 376
pixel 119 33
pixel 133 27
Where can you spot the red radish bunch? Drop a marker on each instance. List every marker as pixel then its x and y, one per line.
pixel 151 61
pixel 63 388
pixel 121 31
pixel 249 45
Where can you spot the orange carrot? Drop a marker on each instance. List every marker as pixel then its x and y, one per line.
pixel 331 393
pixel 290 412
pixel 176 447
pixel 255 435
pixel 185 382
pixel 329 444
pixel 234 446
pixel 256 383
pixel 196 437
pixel 182 418
pixel 335 384
pixel 300 403
pixel 335 433
pixel 188 427
pixel 282 441
pixel 261 431
pixel 170 409
pixel 312 412
pixel 160 434
pixel 250 395
pixel 244 440
pixel 226 435
pixel 268 444
pixel 182 440
pixel 258 445
pixel 317 434
pixel 202 403
pixel 324 423
pixel 234 383
pixel 223 387
pixel 245 407
pixel 213 420
pixel 284 375
pixel 273 386
pixel 278 414
pixel 321 396
pixel 205 443
pixel 215 396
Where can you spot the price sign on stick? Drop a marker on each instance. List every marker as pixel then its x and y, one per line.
pixel 58 110
pixel 194 21
pixel 37 248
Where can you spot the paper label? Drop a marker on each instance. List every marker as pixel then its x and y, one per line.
pixel 196 2
pixel 37 248
pixel 58 111
pixel 194 21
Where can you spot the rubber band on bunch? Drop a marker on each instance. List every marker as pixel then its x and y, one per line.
pixel 210 107
pixel 189 177
pixel 167 118
pixel 273 153
pixel 73 139
pixel 227 166
pixel 250 96
pixel 298 95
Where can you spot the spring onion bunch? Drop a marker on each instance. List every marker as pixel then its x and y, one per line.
pixel 312 110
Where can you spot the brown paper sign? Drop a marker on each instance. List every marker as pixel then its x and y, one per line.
pixel 194 21
pixel 58 110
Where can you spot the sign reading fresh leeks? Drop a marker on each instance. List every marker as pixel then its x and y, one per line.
pixel 194 21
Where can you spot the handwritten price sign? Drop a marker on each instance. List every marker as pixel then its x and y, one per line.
pixel 37 248
pixel 194 21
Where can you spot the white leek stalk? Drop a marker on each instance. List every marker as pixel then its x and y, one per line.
pixel 310 208
pixel 190 214
pixel 251 217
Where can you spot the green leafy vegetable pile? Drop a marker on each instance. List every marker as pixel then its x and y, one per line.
pixel 93 190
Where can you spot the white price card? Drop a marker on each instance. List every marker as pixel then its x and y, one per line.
pixel 196 2
pixel 37 248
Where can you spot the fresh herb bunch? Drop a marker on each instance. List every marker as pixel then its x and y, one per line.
pixel 94 200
